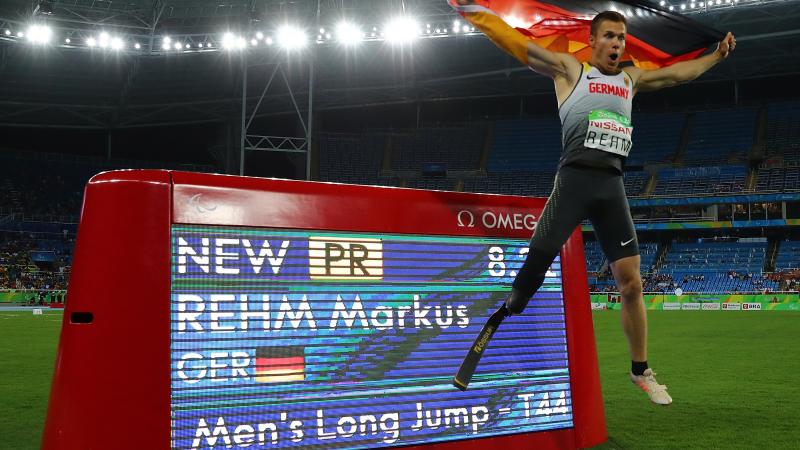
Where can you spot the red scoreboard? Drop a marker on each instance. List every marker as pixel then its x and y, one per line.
pixel 210 312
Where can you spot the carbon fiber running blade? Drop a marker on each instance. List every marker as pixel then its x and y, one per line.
pixel 470 363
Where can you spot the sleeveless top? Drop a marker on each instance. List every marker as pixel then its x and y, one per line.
pixel 596 120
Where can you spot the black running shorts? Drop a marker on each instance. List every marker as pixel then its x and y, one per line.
pixel 581 193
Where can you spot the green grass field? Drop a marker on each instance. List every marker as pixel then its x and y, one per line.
pixel 733 376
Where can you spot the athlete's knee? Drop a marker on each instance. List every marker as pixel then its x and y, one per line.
pixel 630 288
pixel 529 279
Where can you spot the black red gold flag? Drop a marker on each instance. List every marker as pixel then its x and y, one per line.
pixel 656 36
pixel 280 364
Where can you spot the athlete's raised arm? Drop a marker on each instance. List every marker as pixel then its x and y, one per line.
pixel 682 72
pixel 548 63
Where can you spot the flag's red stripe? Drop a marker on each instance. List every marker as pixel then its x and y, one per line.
pixel 267 371
pixel 283 362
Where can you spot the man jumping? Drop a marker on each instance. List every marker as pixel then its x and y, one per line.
pixel 594 103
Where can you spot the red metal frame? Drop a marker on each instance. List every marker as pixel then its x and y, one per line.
pixel 111 383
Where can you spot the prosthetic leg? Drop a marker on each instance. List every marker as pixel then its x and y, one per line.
pixel 528 281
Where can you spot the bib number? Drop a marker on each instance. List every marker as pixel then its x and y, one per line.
pixel 609 132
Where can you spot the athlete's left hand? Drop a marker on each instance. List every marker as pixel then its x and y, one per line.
pixel 726 45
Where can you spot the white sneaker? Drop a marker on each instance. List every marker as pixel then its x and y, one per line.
pixel 647 382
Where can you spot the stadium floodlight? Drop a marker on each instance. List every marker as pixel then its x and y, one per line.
pixel 187 46
pixel 137 46
pixel 291 37
pixel 465 29
pixel 20 34
pixel 259 35
pixel 254 42
pixel 91 42
pixel 401 30
pixel 8 32
pixel 165 45
pixel 671 8
pixel 228 41
pixel 178 46
pixel 231 42
pixel 661 3
pixel 39 34
pixel 67 40
pixel 269 41
pixel 116 43
pixel 348 33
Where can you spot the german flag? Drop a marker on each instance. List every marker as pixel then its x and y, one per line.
pixel 280 364
pixel 656 36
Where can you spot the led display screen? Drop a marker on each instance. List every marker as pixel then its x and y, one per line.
pixel 315 339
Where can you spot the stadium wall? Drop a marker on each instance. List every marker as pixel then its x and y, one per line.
pixel 709 302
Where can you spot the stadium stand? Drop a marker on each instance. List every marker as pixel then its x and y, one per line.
pixel 58 196
pixel 525 145
pixel 720 137
pixel 594 256
pixel 455 148
pixel 523 158
pixel 700 180
pixel 735 266
pixel 778 179
pixel 538 183
pixel 436 184
pixel 788 256
pixel 783 130
pixel 636 182
pixel 600 280
pixel 656 137
pixel 349 158
pixel 35 260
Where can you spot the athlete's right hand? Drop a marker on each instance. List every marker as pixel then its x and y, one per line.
pixel 726 45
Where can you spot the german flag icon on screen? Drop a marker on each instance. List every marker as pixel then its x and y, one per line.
pixel 280 364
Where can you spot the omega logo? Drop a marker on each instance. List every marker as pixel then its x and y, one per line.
pixel 493 220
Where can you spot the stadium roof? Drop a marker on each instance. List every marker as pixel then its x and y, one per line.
pixel 69 84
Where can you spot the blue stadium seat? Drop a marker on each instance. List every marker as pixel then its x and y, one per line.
pixel 717 137
pixel 700 180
